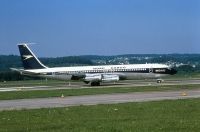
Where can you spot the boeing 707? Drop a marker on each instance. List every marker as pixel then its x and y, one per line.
pixel 93 75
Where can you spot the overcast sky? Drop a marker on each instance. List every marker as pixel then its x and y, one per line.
pixel 100 27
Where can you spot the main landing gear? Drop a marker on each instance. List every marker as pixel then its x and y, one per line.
pixel 95 83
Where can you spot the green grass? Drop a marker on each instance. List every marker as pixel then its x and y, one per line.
pixel 89 91
pixel 28 83
pixel 157 116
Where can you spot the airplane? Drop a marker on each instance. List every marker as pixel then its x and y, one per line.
pixel 93 75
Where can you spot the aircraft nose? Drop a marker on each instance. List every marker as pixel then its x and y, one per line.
pixel 173 71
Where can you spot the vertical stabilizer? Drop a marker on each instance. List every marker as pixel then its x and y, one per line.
pixel 29 60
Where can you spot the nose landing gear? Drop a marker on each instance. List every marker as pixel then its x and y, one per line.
pixel 159 80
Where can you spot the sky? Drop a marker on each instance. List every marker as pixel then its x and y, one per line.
pixel 100 27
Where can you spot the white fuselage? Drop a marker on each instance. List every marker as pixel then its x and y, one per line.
pixel 125 71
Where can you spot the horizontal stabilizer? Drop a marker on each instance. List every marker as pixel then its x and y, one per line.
pixel 24 72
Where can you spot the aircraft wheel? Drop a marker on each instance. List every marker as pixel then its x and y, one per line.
pixel 159 80
pixel 95 83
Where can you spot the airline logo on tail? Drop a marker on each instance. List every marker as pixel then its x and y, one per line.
pixel 26 57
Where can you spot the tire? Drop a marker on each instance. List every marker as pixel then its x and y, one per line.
pixel 95 83
pixel 159 81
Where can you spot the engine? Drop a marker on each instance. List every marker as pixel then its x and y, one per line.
pixel 92 77
pixel 110 78
pixel 101 78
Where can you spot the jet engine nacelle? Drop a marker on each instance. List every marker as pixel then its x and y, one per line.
pixel 101 78
pixel 110 78
pixel 93 77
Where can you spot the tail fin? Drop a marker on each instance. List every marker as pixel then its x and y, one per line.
pixel 29 60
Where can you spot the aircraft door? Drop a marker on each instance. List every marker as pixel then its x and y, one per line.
pixel 150 70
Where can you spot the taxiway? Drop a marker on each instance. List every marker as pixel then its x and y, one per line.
pixel 81 85
pixel 96 99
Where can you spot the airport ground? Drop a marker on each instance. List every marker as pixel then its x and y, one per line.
pixel 157 114
pixel 44 89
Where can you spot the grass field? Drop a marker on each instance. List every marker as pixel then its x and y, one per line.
pixel 28 83
pixel 90 91
pixel 158 116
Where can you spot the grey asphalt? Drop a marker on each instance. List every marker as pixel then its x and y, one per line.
pixel 96 99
